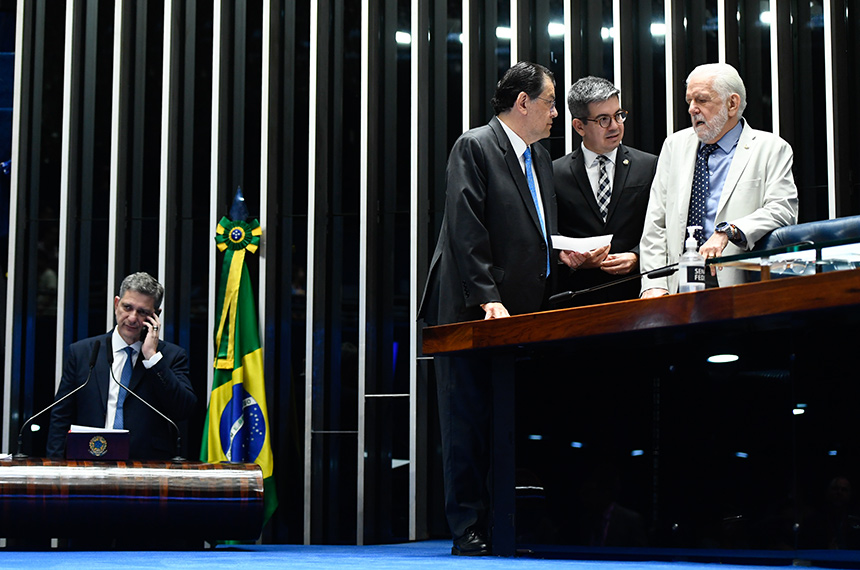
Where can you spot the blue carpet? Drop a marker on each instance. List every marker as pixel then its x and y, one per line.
pixel 418 555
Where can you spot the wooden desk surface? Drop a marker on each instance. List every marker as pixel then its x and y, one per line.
pixel 105 499
pixel 780 296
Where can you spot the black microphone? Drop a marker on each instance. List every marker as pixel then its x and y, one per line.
pixel 178 456
pixel 653 274
pixel 93 356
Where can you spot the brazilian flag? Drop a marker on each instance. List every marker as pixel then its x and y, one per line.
pixel 237 427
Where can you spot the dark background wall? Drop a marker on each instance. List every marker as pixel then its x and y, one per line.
pixel 315 327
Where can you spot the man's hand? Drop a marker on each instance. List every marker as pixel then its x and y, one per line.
pixel 654 293
pixel 714 248
pixel 494 311
pixel 587 260
pixel 595 257
pixel 572 259
pixel 620 264
pixel 150 342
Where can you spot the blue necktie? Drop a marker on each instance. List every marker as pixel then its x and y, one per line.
pixel 527 155
pixel 700 192
pixel 125 378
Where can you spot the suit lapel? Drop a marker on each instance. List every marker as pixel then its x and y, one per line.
pixel 622 170
pixel 687 167
pixel 516 171
pixel 101 371
pixel 139 369
pixel 136 373
pixel 584 184
pixel 544 174
pixel 741 158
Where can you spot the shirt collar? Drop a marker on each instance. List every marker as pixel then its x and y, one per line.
pixel 516 142
pixel 731 138
pixel 589 156
pixel 118 343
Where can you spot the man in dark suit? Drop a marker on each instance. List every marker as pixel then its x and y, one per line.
pixel 493 259
pixel 131 353
pixel 602 188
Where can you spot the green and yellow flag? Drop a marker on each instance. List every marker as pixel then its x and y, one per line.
pixel 237 426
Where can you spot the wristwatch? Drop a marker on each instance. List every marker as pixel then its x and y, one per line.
pixel 735 235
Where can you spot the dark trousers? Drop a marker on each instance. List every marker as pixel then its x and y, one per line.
pixel 464 388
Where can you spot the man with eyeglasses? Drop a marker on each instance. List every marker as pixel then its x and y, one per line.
pixel 720 174
pixel 493 259
pixel 602 188
pixel 133 355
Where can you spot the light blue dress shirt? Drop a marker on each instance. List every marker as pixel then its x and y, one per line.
pixel 718 166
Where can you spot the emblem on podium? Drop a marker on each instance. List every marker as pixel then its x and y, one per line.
pixel 98 445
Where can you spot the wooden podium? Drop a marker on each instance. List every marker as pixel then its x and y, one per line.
pixel 41 498
pixel 769 305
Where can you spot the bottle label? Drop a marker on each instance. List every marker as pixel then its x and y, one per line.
pixel 695 274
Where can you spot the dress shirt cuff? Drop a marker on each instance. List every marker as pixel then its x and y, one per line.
pixel 152 361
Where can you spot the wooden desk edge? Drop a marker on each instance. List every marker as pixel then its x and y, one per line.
pixel 787 295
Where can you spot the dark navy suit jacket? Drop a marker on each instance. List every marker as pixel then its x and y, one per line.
pixel 165 386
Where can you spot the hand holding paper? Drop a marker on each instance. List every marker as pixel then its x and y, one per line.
pixel 582 252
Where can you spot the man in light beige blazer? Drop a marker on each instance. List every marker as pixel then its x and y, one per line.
pixel 752 188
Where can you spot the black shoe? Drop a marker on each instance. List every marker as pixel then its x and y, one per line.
pixel 472 543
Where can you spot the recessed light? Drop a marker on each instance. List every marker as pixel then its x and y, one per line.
pixel 722 358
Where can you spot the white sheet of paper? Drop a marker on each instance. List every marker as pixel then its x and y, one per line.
pixel 90 429
pixel 580 245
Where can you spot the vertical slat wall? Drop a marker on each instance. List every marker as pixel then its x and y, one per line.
pixel 134 123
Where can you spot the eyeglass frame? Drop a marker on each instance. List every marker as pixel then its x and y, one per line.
pixel 608 118
pixel 550 101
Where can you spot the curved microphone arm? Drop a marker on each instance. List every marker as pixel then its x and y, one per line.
pixel 93 356
pixel 653 274
pixel 178 457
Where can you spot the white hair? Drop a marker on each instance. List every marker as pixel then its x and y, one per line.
pixel 726 81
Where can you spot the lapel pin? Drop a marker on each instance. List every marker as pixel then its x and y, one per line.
pixel 626 161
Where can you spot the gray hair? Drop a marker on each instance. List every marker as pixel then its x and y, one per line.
pixel 589 90
pixel 145 284
pixel 727 81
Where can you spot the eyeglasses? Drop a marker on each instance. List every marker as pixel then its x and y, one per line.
pixel 605 120
pixel 550 101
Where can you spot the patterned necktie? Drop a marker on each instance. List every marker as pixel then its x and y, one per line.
pixel 125 378
pixel 604 192
pixel 528 159
pixel 700 192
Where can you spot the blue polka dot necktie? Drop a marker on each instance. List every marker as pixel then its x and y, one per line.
pixel 604 192
pixel 700 192
pixel 527 155
pixel 125 379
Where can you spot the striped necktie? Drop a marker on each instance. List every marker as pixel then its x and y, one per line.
pixel 604 191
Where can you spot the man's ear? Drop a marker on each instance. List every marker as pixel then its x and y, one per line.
pixel 520 103
pixel 579 127
pixel 733 104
